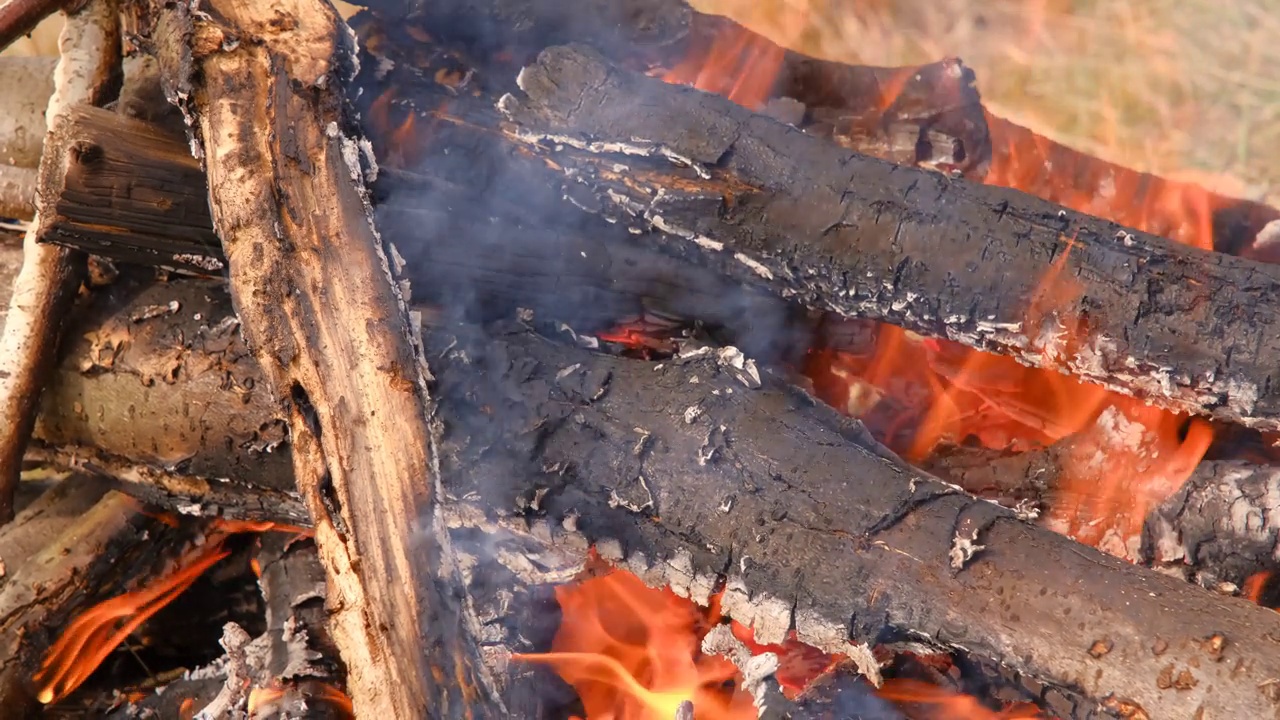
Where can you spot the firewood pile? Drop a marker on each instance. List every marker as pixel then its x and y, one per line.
pixel 600 358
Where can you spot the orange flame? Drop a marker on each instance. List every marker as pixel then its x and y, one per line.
pixel 93 635
pixel 98 631
pixel 918 394
pixel 633 653
pixel 940 704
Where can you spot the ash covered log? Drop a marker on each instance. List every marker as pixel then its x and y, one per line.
pixel 678 480
pixel 759 201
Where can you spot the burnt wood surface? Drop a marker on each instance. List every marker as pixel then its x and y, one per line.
pixel 76 545
pixel 682 481
pixel 1186 329
pixel 1183 328
pixel 123 181
pixel 670 35
pixel 799 487
pixel 1221 526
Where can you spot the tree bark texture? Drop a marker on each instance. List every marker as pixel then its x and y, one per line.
pixel 88 71
pixel 264 86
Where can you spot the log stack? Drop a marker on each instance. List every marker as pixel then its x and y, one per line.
pixel 408 256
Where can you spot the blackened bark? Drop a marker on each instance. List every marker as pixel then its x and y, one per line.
pixel 1185 329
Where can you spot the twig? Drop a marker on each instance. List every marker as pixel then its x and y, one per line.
pixel 88 71
pixel 757 673
pixel 20 17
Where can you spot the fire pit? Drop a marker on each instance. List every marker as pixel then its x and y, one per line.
pixel 604 359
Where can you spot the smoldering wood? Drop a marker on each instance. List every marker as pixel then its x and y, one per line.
pixel 669 34
pixel 286 170
pixel 833 230
pixel 70 549
pixel 88 71
pixel 302 661
pixel 549 459
pixel 1219 527
pixel 637 458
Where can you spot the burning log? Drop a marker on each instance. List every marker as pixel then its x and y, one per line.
pixel 529 440
pixel 88 72
pixel 318 306
pixel 1219 528
pixel 778 209
pixel 72 547
pixel 848 104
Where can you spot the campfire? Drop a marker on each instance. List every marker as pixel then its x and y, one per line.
pixel 606 359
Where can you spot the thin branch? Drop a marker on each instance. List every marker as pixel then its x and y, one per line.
pixel 88 71
pixel 20 17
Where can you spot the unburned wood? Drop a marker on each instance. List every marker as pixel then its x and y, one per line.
pixel 20 17
pixel 314 292
pixel 88 71
pixel 28 83
pixel 17 192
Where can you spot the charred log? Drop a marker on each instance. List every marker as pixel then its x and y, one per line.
pixel 847 104
pixel 766 204
pixel 546 436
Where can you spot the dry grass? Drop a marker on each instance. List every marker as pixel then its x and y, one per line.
pixel 1178 87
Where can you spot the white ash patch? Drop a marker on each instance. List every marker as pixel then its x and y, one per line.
pixel 204 262
pixel 701 241
pixel 507 104
pixel 768 617
pixel 755 266
pixel 739 365
pixel 1166 541
pixel 832 638
pixel 692 413
pixel 1268 236
pixel 963 548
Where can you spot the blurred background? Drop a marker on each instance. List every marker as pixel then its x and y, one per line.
pixel 1184 88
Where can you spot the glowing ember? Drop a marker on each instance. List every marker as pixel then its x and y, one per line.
pixel 930 702
pixel 633 652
